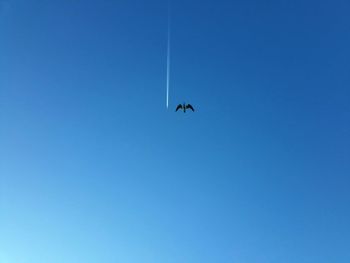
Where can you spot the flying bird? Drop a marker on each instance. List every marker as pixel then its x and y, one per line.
pixel 184 107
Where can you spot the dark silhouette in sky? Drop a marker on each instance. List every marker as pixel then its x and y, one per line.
pixel 184 107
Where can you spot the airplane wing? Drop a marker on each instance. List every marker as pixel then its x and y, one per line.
pixel 189 106
pixel 178 107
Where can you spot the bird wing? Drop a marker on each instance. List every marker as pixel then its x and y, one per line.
pixel 178 107
pixel 189 106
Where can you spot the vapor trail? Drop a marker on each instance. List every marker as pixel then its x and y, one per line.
pixel 168 61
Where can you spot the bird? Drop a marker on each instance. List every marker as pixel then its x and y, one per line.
pixel 184 107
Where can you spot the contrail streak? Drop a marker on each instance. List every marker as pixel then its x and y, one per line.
pixel 168 61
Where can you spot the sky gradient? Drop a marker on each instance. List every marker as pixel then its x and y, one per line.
pixel 94 168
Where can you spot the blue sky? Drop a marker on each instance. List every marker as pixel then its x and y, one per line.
pixel 94 168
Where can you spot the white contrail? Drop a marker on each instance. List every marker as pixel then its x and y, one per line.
pixel 168 62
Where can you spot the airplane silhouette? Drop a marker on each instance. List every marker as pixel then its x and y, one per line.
pixel 184 107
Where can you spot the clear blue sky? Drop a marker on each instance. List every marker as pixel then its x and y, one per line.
pixel 93 168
